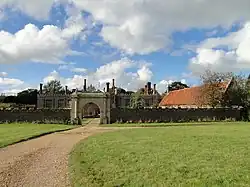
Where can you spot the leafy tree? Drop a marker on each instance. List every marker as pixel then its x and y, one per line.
pixel 214 93
pixel 121 91
pixel 27 97
pixel 176 86
pixel 10 99
pixel 53 86
pixel 2 97
pixel 92 89
pixel 137 101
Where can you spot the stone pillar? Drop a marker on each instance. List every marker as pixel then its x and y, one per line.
pixel 74 107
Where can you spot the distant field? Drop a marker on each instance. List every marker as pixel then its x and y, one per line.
pixel 209 155
pixel 172 124
pixel 12 133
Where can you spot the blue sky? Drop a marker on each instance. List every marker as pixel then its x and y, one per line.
pixel 132 41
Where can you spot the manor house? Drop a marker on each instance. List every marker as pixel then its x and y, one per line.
pixel 84 103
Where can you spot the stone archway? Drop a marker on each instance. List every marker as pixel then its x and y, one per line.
pixel 81 101
pixel 91 110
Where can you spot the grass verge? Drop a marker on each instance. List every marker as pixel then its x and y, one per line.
pixel 17 132
pixel 215 155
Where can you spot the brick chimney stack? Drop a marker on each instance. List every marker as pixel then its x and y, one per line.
pixel 149 88
pixel 113 83
pixel 154 89
pixel 107 86
pixel 146 90
pixel 41 89
pixel 85 85
pixel 66 90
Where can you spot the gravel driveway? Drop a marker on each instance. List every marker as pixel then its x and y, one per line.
pixel 42 162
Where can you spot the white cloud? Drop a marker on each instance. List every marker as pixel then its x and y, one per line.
pixel 72 68
pixel 79 70
pixel 229 53
pixel 10 82
pixel 138 26
pixel 48 45
pixel 34 8
pixel 120 70
pixel 128 74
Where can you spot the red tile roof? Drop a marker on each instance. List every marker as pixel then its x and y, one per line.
pixel 187 96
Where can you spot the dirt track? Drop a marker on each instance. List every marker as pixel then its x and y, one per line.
pixel 42 162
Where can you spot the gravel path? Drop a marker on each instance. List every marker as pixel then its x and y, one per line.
pixel 42 162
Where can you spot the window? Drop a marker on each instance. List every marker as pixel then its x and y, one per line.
pixel 61 103
pixel 48 103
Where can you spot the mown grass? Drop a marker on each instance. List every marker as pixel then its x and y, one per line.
pixel 211 155
pixel 16 132
pixel 171 124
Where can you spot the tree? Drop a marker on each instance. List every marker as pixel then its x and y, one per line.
pixel 213 88
pixel 176 86
pixel 92 89
pixel 9 99
pixel 121 91
pixel 137 101
pixel 216 90
pixel 53 86
pixel 238 93
pixel 27 97
pixel 2 97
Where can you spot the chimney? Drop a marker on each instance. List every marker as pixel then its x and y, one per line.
pixel 85 85
pixel 41 88
pixel 154 90
pixel 113 83
pixel 146 90
pixel 66 90
pixel 107 86
pixel 149 87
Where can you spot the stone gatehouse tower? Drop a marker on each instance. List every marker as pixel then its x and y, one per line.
pixel 84 104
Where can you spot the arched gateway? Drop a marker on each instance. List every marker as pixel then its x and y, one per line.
pixel 86 104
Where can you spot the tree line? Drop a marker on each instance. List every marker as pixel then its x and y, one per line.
pixel 237 94
pixel 29 96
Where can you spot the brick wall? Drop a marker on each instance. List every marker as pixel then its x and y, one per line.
pixel 60 115
pixel 173 115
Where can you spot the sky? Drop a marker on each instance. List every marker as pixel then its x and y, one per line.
pixel 132 41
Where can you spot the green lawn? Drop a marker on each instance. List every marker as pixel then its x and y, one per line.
pixel 170 124
pixel 16 132
pixel 210 155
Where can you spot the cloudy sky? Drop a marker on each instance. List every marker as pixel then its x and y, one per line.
pixel 133 41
